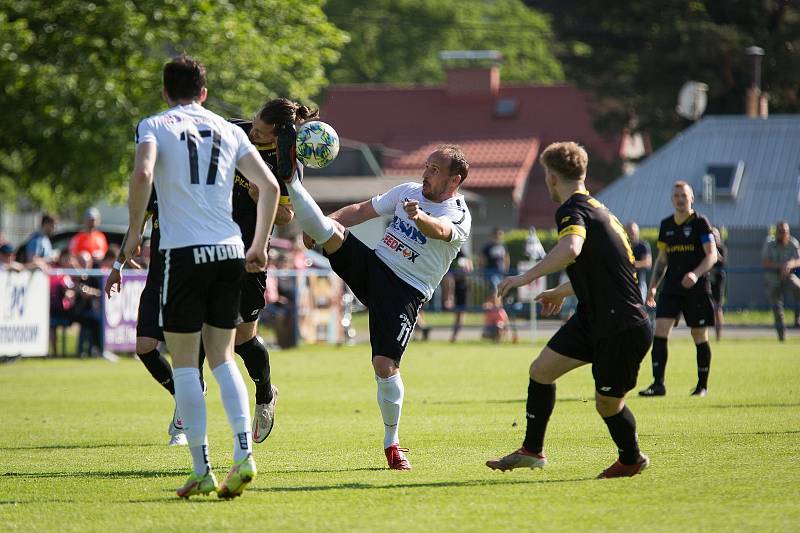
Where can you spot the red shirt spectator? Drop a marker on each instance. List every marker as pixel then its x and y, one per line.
pixel 90 239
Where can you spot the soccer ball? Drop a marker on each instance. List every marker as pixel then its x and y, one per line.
pixel 317 144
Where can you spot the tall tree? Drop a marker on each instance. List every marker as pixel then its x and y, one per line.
pixel 397 41
pixel 634 56
pixel 76 76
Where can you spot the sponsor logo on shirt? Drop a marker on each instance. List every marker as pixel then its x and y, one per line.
pixel 680 248
pixel 408 230
pixel 219 252
pixel 393 243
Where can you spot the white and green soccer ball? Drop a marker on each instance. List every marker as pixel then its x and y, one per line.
pixel 317 144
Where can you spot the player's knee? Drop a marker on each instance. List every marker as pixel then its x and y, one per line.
pixel 145 344
pixel 700 335
pixel 538 372
pixel 608 405
pixel 384 367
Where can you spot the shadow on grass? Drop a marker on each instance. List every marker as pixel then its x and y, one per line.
pixel 434 485
pixel 80 446
pixel 120 474
pixel 752 405
pixel 330 471
pixel 519 401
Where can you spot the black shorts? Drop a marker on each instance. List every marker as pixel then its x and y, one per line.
pixel 149 311
pixel 202 285
pixel 253 300
pixel 392 303
pixel 696 307
pixel 615 360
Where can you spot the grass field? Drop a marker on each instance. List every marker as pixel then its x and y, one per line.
pixel 82 447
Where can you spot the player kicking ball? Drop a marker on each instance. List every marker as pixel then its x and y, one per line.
pixel 430 223
pixel 609 330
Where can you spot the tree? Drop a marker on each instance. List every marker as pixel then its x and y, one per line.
pixel 397 41
pixel 634 56
pixel 75 77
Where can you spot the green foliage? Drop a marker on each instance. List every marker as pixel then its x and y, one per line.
pixel 75 77
pixel 397 41
pixel 634 56
pixel 84 447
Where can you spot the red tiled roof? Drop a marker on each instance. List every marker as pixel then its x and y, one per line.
pixel 502 151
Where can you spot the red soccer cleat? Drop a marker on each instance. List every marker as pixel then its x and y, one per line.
pixel 520 458
pixel 621 470
pixel 396 458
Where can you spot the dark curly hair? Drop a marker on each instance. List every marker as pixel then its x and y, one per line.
pixel 280 111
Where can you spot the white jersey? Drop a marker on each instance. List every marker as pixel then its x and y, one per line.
pixel 416 259
pixel 197 155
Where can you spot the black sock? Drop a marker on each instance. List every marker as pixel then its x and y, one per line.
pixel 539 407
pixel 622 427
pixel 703 364
pixel 159 368
pixel 201 359
pixel 256 360
pixel 659 357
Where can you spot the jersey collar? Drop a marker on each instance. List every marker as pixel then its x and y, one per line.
pixel 684 221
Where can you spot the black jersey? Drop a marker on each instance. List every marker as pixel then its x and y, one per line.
pixel 155 272
pixel 602 276
pixel 244 207
pixel 683 244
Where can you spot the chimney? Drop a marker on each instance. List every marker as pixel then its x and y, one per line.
pixel 472 72
pixel 756 104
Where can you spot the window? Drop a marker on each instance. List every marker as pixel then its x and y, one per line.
pixel 505 108
pixel 725 179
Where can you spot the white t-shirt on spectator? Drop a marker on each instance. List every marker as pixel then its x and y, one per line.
pixel 416 259
pixel 197 155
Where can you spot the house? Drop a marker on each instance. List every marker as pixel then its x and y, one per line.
pixel 745 173
pixel 502 129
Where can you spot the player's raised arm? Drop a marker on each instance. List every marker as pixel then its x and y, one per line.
pixel 354 214
pixel 254 169
pixel 432 227
pixel 562 254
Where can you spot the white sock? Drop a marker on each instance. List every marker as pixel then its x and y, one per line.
pixel 390 400
pixel 308 214
pixel 234 399
pixel 192 409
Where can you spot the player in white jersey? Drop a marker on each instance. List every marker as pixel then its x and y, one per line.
pixel 430 223
pixel 191 155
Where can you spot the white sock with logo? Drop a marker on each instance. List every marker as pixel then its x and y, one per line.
pixel 192 409
pixel 390 400
pixel 234 399
pixel 308 213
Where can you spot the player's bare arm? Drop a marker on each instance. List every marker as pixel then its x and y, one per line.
pixel 708 262
pixel 138 195
pixel 354 214
pixel 114 279
pixel 659 270
pixel 254 169
pixel 564 253
pixel 431 227
pixel 553 299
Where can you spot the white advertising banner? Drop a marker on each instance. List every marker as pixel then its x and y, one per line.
pixel 24 313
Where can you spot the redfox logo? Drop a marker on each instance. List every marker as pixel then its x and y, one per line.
pixel 394 244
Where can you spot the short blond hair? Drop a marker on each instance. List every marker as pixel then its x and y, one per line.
pixel 565 160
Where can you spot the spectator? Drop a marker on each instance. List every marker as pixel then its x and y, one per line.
pixel 643 258
pixel 456 288
pixel 494 259
pixel 780 256
pixel 62 298
pixel 717 278
pixel 495 319
pixel 38 245
pixel 7 261
pixel 87 309
pixel 90 239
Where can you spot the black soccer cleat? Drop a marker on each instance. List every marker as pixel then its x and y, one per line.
pixel 656 389
pixel 286 139
pixel 700 392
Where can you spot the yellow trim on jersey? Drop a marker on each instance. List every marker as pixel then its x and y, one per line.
pixel 264 146
pixel 661 245
pixel 285 200
pixel 572 230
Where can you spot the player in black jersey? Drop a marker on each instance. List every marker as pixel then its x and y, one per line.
pixel 273 116
pixel 686 253
pixel 609 330
pixel 148 329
